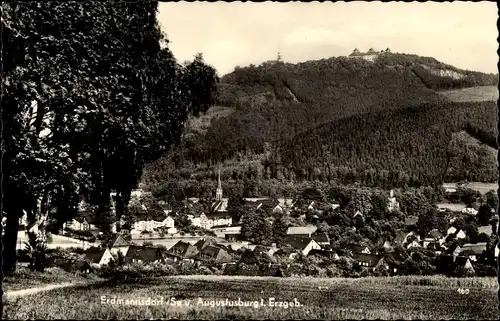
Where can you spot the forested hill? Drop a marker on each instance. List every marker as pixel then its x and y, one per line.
pixel 408 146
pixel 331 110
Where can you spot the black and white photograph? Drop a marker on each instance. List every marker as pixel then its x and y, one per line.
pixel 244 160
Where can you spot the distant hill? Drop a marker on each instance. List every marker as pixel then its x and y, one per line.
pixel 382 122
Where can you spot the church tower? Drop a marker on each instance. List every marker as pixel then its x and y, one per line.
pixel 218 192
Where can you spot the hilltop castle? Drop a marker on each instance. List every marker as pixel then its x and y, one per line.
pixel 370 55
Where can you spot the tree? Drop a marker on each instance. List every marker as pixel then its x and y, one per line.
pixel 483 237
pixel 492 199
pixel 413 202
pixel 361 201
pixel 459 224
pixel 312 194
pixel 472 232
pixel 467 195
pixel 442 223
pixel 280 227
pixel 87 109
pixel 427 222
pixel 379 202
pixel 235 206
pixel 484 215
pixel 255 227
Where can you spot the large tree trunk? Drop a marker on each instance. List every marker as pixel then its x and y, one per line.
pixel 9 241
pixel 104 213
pixel 122 200
pixel 1 250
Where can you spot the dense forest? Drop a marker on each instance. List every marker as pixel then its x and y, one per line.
pixel 339 120
pixel 405 147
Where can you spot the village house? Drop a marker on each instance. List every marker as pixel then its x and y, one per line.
pixel 97 256
pixel 118 244
pixel 469 211
pixel 358 248
pixel 82 266
pixel 393 204
pixel 358 213
pixel 272 249
pixel 411 220
pixel 450 188
pixel 267 204
pixel 387 247
pixel 448 263
pixel 279 209
pixel 460 235
pixel 451 230
pixel 321 238
pixel 193 200
pixel 170 258
pixel 452 207
pixel 412 236
pixel 433 236
pixel 233 229
pixel 285 204
pixel 302 244
pixel 150 223
pixel 324 254
pixel 488 230
pixel 23 221
pixel 82 223
pixel 287 251
pixel 465 263
pixel 213 253
pixel 454 250
pixel 366 260
pixel 143 254
pixel 305 231
pixel 334 206
pixel 413 244
pixel 400 238
pixel 233 237
pixel 473 251
pixel 204 242
pixel 183 249
pixel 137 193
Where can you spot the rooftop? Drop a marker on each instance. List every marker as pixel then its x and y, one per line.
pixel 144 253
pixel 299 230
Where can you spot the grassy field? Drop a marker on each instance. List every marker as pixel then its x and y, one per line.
pixel 371 298
pixel 482 188
pixel 25 279
pixel 483 93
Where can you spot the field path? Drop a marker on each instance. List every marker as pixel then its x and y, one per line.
pixel 21 293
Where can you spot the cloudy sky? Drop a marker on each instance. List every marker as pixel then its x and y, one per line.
pixel 463 34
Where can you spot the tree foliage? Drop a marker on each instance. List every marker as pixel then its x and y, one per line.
pixel 90 96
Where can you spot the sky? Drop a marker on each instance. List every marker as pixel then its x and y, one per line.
pixel 463 34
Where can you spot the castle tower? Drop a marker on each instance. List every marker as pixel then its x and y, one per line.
pixel 218 192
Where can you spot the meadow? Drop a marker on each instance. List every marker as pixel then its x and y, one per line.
pixel 24 279
pixel 480 93
pixel 335 298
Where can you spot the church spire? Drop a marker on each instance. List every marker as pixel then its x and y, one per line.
pixel 218 192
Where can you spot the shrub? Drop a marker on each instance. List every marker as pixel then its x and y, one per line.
pixel 136 270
